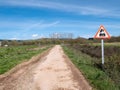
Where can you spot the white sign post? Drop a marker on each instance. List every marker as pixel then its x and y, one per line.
pixel 102 34
pixel 102 46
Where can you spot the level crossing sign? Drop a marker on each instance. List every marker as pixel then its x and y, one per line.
pixel 102 33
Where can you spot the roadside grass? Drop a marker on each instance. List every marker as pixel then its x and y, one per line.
pixel 11 56
pixel 96 77
pixel 107 44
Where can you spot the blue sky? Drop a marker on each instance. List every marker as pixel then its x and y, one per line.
pixel 31 19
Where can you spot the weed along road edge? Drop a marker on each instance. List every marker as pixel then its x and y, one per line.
pixel 52 72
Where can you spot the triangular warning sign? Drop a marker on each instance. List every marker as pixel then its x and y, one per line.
pixel 102 33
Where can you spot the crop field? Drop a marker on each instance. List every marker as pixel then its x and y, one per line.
pixel 112 58
pixel 11 56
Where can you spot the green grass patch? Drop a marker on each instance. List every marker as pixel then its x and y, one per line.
pixel 107 44
pixel 97 78
pixel 11 56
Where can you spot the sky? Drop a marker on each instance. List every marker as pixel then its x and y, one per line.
pixel 33 19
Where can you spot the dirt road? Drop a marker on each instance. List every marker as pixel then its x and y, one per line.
pixel 52 72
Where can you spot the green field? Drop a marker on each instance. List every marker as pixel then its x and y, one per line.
pixel 11 56
pixel 106 44
pixel 97 78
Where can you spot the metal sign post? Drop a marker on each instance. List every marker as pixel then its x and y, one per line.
pixel 102 47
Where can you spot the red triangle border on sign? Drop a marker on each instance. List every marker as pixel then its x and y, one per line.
pixel 103 36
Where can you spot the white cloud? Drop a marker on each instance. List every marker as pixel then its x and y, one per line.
pixel 79 9
pixel 35 35
pixel 28 25
pixel 87 36
pixel 115 26
pixel 39 26
pixel 23 30
pixel 13 38
pixel 45 25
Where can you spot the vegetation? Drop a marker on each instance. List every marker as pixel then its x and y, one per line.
pixel 85 54
pixel 11 56
pixel 97 78
pixel 114 39
pixel 45 41
pixel 112 59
